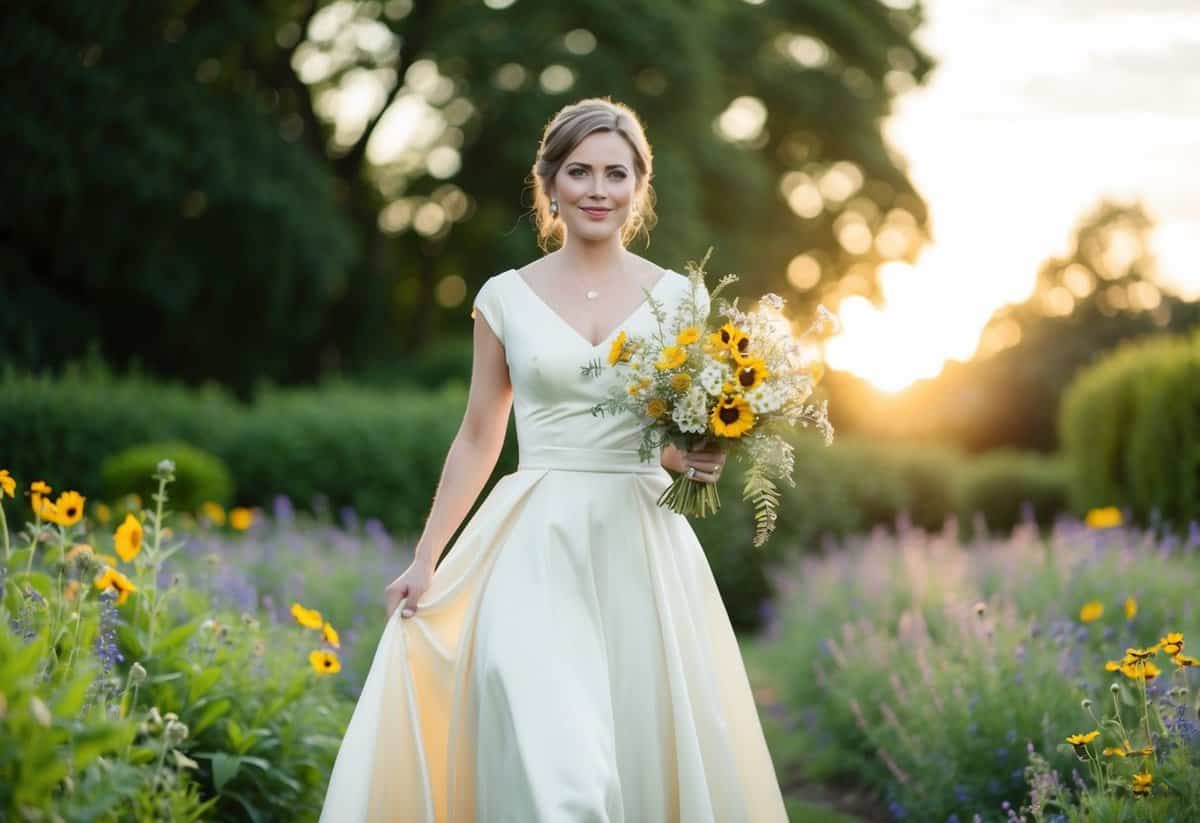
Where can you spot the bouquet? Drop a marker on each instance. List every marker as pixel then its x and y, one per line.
pixel 738 384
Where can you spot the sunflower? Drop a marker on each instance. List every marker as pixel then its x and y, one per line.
pixel 732 416
pixel 128 538
pixel 750 374
pixel 681 381
pixel 69 507
pixel 113 579
pixel 617 351
pixel 331 636
pixel 687 336
pixel 672 357
pixel 656 407
pixel 240 518
pixel 1171 643
pixel 1140 669
pixel 1182 661
pixel 37 490
pixel 308 618
pixel 325 662
pixel 1080 741
pixel 44 508
pixel 7 484
pixel 1091 611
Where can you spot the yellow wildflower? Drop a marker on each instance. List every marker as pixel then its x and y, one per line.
pixel 325 662
pixel 681 381
pixel 1104 518
pixel 240 518
pixel 213 511
pixel 128 538
pixel 1182 660
pixel 7 484
pixel 37 490
pixel 732 416
pixel 1091 611
pixel 1141 783
pixel 69 508
pixel 687 336
pixel 113 579
pixel 616 352
pixel 656 407
pixel 308 618
pixel 1172 643
pixel 331 636
pixel 672 357
pixel 1140 669
pixel 1130 608
pixel 1080 741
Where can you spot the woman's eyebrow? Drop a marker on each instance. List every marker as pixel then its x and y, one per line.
pixel 585 165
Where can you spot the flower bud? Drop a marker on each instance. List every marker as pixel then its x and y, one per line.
pixel 137 673
pixel 1086 703
pixel 176 732
pixel 1115 688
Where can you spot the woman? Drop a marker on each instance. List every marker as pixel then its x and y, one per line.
pixel 571 659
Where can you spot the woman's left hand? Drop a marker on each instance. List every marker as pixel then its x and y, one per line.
pixel 708 461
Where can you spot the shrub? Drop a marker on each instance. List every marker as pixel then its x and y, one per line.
pixel 1001 484
pixel 200 476
pixel 1128 426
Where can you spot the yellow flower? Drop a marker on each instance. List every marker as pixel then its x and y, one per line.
pixel 308 618
pixel 107 559
pixel 1132 655
pixel 1116 751
pixel 44 508
pixel 113 579
pixel 687 336
pixel 37 490
pixel 656 407
pixel 1140 669
pixel 1171 643
pixel 103 513
pixel 1080 741
pixel 325 662
pixel 1104 518
pixel 7 484
pixel 213 511
pixel 617 352
pixel 1183 660
pixel 240 518
pixel 1130 608
pixel 1141 783
pixel 1083 739
pixel 681 381
pixel 750 374
pixel 672 357
pixel 128 538
pixel 331 636
pixel 69 508
pixel 1091 611
pixel 732 416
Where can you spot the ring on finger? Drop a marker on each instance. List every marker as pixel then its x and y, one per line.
pixel 691 472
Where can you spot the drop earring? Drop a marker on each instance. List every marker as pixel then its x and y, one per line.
pixel 553 207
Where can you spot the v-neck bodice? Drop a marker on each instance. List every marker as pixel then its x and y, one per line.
pixel 552 397
pixel 612 332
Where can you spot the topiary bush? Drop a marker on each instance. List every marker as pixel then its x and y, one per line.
pixel 200 476
pixel 1128 425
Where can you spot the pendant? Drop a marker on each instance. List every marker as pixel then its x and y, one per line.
pixel 592 294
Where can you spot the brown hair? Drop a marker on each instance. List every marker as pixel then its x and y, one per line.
pixel 566 130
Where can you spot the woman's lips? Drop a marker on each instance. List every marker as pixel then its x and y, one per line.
pixel 597 214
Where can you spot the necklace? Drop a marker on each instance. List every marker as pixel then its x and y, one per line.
pixel 592 294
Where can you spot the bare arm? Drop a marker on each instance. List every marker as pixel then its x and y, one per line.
pixel 469 463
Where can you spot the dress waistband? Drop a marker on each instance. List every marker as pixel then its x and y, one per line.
pixel 569 458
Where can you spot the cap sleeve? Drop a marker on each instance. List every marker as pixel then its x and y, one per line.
pixel 488 303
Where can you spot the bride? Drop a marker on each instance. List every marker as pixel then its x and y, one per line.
pixel 570 659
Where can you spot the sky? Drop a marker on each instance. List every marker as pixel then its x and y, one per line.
pixel 1037 109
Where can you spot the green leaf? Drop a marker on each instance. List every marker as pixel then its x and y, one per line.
pixel 202 682
pixel 212 712
pixel 225 767
pixel 175 637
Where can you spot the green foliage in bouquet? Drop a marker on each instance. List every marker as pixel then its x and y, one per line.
pixel 739 386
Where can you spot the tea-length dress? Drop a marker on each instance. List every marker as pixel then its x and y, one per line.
pixel 572 660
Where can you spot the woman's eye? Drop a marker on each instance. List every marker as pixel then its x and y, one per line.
pixel 620 175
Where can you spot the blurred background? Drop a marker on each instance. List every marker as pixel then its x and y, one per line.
pixel 247 236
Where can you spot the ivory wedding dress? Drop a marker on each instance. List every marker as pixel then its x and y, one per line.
pixel 572 660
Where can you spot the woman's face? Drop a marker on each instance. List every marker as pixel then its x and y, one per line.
pixel 595 186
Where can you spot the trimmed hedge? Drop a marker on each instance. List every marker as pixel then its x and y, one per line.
pixel 1130 428
pixel 1000 485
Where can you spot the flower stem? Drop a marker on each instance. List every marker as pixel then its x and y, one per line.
pixel 4 531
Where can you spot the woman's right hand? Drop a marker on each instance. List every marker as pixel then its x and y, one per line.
pixel 411 585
